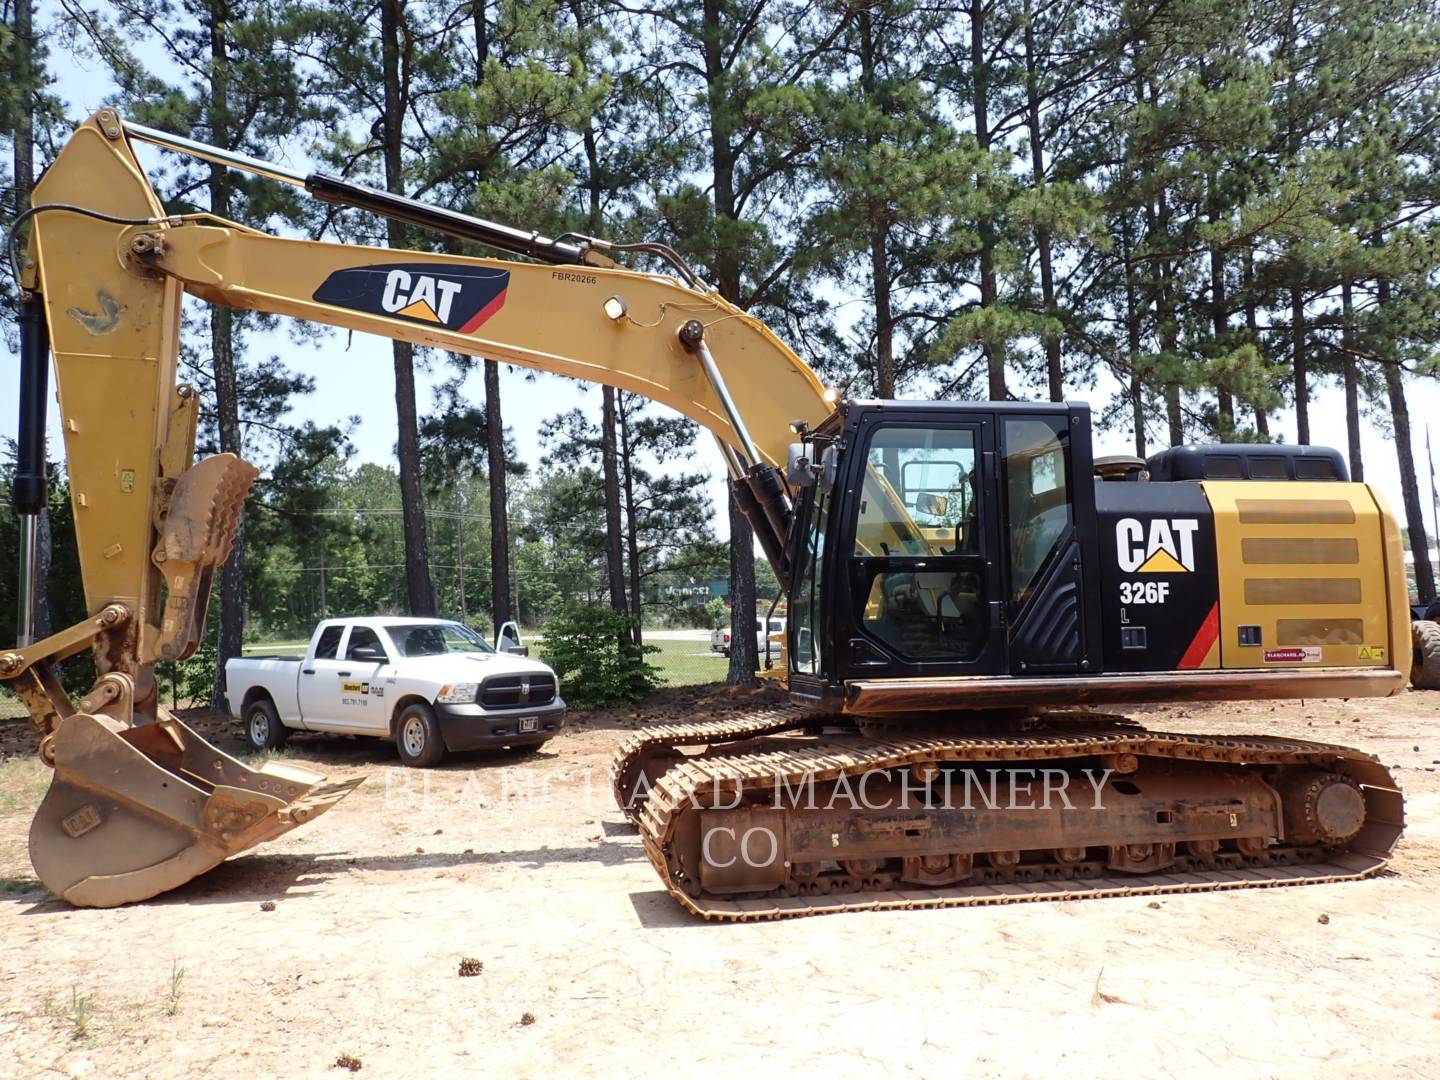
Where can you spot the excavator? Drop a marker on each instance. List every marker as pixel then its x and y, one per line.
pixel 967 585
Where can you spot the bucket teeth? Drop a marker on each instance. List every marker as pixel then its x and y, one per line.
pixel 205 510
pixel 134 812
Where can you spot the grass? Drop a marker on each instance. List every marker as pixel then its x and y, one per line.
pixel 172 998
pixel 265 648
pixel 20 885
pixel 686 663
pixel 258 758
pixel 23 781
pixel 80 1016
pixel 11 707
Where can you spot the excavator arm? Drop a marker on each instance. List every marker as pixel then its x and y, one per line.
pixel 140 803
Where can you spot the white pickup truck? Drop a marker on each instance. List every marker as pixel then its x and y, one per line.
pixel 765 648
pixel 431 685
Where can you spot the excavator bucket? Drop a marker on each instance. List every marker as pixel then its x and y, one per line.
pixel 134 811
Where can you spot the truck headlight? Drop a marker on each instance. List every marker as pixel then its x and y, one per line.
pixel 460 693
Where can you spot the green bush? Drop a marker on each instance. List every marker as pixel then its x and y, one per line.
pixel 716 614
pixel 583 643
pixel 190 681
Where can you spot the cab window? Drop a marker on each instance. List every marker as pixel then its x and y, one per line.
pixel 362 637
pixel 918 495
pixel 1038 499
pixel 329 643
pixel 806 652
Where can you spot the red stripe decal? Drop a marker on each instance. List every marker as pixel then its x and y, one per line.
pixel 1204 638
pixel 484 313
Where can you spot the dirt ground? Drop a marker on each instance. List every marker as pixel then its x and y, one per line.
pixel 586 966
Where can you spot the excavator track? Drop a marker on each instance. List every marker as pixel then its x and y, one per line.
pixel 645 754
pixel 742 789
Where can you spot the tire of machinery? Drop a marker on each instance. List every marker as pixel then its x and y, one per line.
pixel 1425 667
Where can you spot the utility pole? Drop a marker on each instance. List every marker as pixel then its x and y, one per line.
pixel 460 544
pixel 324 609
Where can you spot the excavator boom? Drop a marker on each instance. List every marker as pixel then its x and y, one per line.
pixel 140 803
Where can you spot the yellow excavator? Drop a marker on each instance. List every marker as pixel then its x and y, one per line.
pixel 965 585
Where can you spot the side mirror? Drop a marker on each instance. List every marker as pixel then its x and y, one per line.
pixel 368 654
pixel 934 505
pixel 508 641
pixel 829 467
pixel 798 472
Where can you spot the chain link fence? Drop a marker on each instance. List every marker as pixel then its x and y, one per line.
pixel 685 621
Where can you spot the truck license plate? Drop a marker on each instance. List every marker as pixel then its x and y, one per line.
pixel 529 723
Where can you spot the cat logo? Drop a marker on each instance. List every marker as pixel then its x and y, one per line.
pixel 453 297
pixel 418 296
pixel 1160 546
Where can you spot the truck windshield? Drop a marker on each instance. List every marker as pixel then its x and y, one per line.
pixel 433 639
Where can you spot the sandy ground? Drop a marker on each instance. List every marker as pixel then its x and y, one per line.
pixel 525 866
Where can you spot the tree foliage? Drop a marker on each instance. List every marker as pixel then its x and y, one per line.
pixel 597 666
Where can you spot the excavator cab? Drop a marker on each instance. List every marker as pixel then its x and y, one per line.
pixel 950 542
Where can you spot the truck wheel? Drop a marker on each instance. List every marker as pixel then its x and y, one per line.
pixel 1425 667
pixel 263 729
pixel 417 737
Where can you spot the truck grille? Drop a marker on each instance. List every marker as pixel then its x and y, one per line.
pixel 517 691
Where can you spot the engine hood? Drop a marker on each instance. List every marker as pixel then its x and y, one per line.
pixel 469 667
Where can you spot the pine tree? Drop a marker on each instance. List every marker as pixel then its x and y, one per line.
pixel 890 170
pixel 752 69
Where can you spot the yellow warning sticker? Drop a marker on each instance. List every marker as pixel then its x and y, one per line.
pixel 1371 652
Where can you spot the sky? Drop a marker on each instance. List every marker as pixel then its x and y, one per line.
pixel 357 378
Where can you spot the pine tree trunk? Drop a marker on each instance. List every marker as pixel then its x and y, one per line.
pixel 1409 482
pixel 614 554
pixel 880 285
pixel 1351 380
pixel 1054 373
pixel 1170 344
pixel 1298 361
pixel 1133 340
pixel 1157 218
pixel 989 287
pixel 419 589
pixel 743 654
pixel 1173 415
pixel 609 458
pixel 500 591
pixel 1252 326
pixel 744 649
pixel 632 519
pixel 222 355
pixel 1220 320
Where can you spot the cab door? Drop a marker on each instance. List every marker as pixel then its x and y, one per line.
pixel 921 590
pixel 316 690
pixel 335 689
